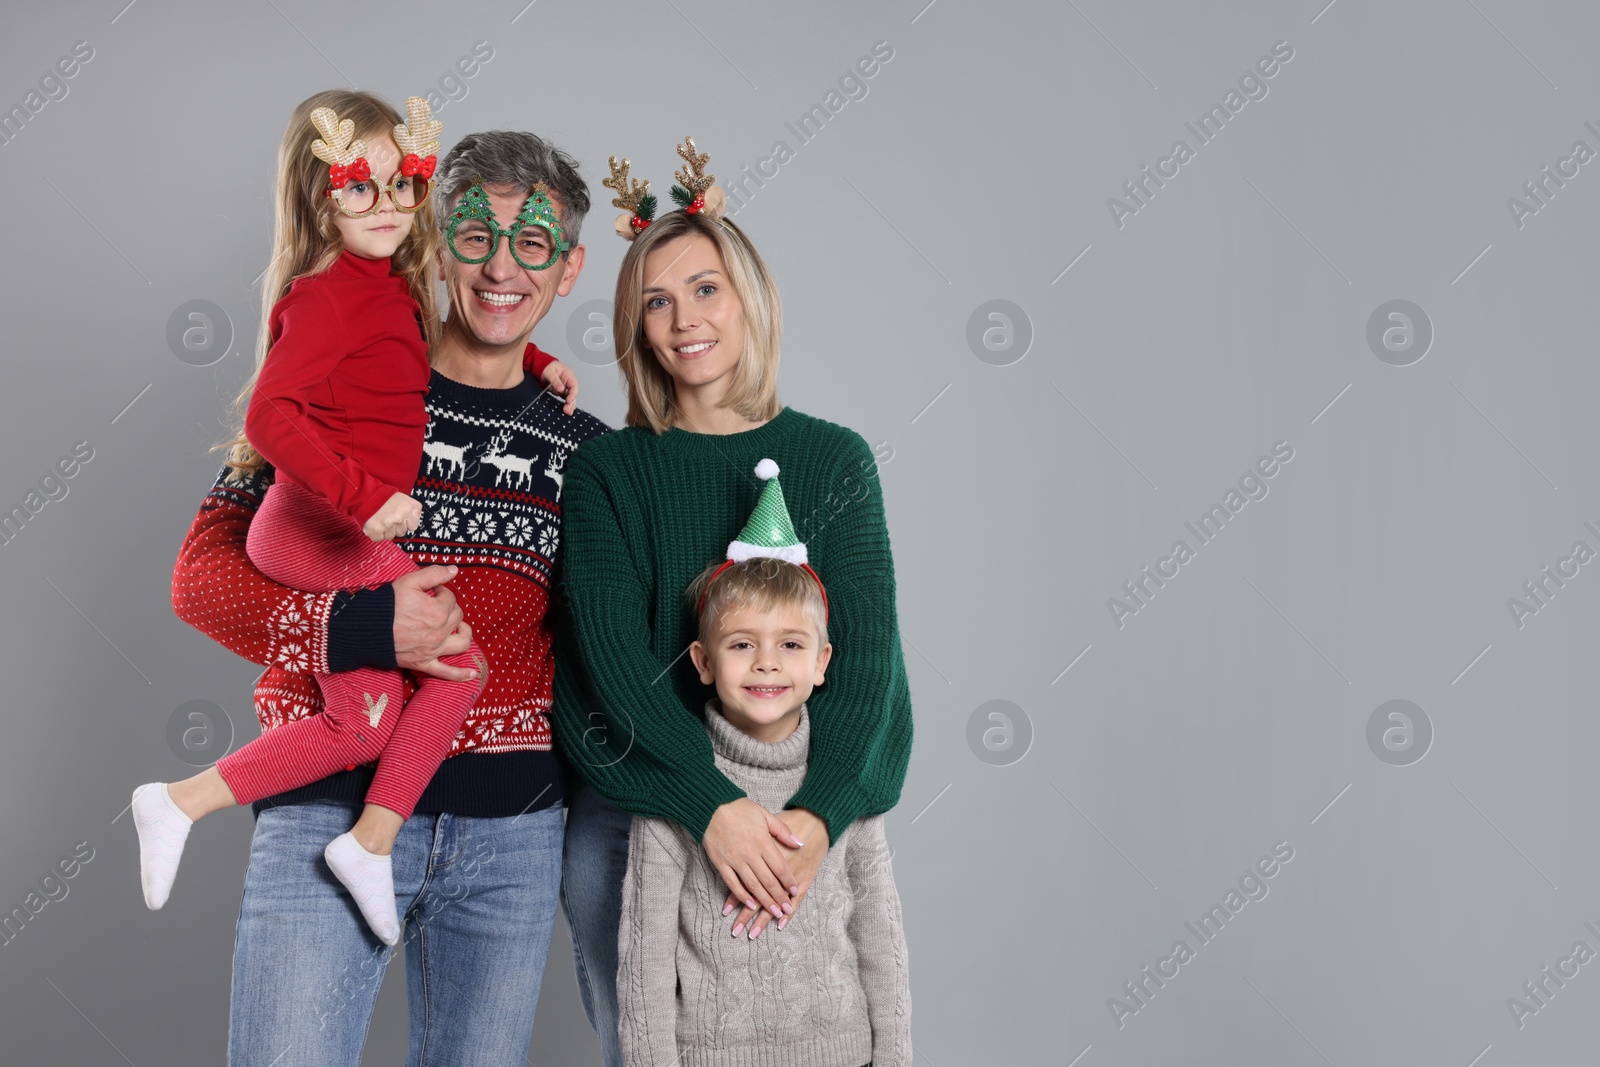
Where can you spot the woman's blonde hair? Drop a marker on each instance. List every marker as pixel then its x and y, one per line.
pixel 651 397
pixel 763 584
pixel 306 241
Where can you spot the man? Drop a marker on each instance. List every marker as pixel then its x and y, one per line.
pixel 477 869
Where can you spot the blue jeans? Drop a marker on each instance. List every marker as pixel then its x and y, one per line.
pixel 595 864
pixel 477 898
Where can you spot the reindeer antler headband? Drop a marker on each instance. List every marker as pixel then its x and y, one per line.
pixel 696 192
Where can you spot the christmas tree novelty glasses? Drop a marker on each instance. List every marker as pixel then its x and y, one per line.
pixel 536 238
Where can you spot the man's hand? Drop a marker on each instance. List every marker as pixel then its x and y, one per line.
pixel 742 842
pixel 805 862
pixel 428 624
pixel 398 515
pixel 562 382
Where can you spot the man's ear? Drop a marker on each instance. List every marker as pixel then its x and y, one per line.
pixel 438 258
pixel 574 267
pixel 702 662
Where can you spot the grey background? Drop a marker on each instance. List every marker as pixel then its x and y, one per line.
pixel 1227 315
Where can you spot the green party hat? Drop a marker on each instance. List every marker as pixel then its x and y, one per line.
pixel 768 533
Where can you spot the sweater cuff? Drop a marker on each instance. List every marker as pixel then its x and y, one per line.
pixel 837 803
pixel 698 807
pixel 361 629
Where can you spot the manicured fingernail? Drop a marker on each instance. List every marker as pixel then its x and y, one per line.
pixel 751 905
pixel 783 922
pixel 738 928
pixel 777 912
pixel 755 933
pixel 794 890
pixel 788 908
pixel 727 909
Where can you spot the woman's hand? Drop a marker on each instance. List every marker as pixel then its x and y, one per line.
pixel 398 515
pixel 742 842
pixel 562 382
pixel 805 862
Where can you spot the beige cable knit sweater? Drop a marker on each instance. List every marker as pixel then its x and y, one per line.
pixel 831 989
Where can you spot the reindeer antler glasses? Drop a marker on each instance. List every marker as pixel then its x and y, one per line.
pixel 350 181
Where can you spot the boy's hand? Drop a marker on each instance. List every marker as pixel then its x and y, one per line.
pixel 399 515
pixel 562 382
pixel 804 862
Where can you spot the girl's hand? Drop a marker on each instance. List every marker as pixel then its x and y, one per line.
pixel 742 842
pixel 399 515
pixel 562 382
pixel 805 862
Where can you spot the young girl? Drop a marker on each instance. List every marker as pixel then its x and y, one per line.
pixel 337 408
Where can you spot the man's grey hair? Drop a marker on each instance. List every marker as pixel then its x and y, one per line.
pixel 508 157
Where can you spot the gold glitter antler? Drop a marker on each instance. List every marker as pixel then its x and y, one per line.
pixel 694 177
pixel 634 197
pixel 336 145
pixel 630 191
pixel 419 134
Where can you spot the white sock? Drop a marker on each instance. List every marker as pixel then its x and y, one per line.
pixel 370 880
pixel 163 828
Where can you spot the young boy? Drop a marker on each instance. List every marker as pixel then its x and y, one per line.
pixel 831 987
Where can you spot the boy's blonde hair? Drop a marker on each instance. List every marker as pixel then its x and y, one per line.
pixel 306 242
pixel 763 584
pixel 651 397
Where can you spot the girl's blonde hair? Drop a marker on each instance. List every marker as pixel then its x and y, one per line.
pixel 762 584
pixel 651 398
pixel 306 241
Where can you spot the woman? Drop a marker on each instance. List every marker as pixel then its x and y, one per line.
pixel 645 508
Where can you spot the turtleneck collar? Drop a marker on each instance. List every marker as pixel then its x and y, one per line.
pixel 369 268
pixel 734 744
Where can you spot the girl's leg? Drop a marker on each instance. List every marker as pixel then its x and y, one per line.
pixel 284 758
pixel 203 794
pixel 428 726
pixel 422 735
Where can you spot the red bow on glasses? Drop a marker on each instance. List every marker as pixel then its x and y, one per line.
pixel 415 164
pixel 339 174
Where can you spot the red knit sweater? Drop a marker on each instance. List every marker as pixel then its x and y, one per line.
pixel 500 526
pixel 338 408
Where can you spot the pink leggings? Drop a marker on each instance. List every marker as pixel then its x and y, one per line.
pixel 298 539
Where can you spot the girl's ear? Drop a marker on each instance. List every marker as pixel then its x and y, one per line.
pixel 438 257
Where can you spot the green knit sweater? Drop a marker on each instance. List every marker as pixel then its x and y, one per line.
pixel 642 514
